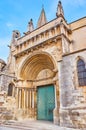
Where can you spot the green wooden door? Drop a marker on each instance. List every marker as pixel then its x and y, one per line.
pixel 45 102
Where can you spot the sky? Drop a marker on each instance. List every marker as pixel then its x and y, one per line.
pixel 15 15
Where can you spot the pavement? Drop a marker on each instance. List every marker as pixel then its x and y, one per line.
pixel 32 125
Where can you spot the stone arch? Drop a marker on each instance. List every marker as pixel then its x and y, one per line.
pixel 36 62
pixel 28 71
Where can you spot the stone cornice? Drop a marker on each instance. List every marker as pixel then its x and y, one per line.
pixel 7 75
pixel 35 47
pixel 71 53
pixel 37 34
pixel 42 44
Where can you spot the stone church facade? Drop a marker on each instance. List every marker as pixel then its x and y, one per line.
pixel 45 76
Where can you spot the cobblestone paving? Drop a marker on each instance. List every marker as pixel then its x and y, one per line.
pixel 32 125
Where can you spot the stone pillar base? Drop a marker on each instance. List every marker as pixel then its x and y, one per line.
pixel 25 114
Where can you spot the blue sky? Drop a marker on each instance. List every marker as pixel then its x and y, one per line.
pixel 15 14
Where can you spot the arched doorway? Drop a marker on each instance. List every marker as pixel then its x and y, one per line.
pixel 38 70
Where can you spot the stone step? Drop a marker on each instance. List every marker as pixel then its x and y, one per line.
pixel 6 115
pixel 34 125
pixel 19 127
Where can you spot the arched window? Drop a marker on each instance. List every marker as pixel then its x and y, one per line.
pixel 81 72
pixel 10 89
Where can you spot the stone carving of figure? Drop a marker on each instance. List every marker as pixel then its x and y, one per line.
pixel 30 26
pixel 16 34
pixel 60 10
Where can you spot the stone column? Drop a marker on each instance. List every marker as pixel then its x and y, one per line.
pixel 48 34
pixel 28 98
pixel 55 31
pixel 39 37
pixel 20 101
pixel 62 28
pixel 17 97
pixel 24 98
pixel 44 35
pixel 32 98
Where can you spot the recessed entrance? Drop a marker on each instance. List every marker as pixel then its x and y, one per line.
pixel 39 100
pixel 45 102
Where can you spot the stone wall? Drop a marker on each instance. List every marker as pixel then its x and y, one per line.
pixel 72 96
pixel 7 104
pixel 5 80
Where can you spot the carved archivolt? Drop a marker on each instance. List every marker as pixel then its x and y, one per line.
pixel 34 64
